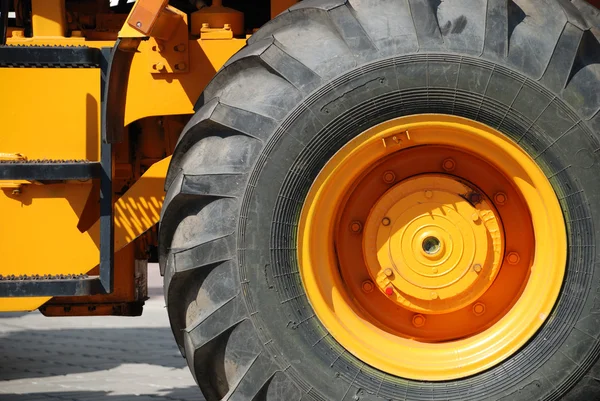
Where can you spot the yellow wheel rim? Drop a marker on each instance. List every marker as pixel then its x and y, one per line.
pixel 432 247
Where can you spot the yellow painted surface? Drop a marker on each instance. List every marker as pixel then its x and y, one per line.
pixel 390 347
pixel 431 206
pixel 169 94
pixel 51 113
pixel 39 232
pixel 48 17
pixel 55 114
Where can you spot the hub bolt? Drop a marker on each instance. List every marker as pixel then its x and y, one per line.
pixel 449 164
pixel 434 295
pixel 389 177
pixel 477 268
pixel 367 286
pixel 478 309
pixel 388 272
pixel 386 221
pixel 513 258
pixel 389 291
pixel 355 226
pixel 418 320
pixel 500 198
pixel 428 194
pixel 474 197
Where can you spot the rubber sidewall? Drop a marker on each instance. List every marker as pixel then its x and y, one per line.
pixel 552 133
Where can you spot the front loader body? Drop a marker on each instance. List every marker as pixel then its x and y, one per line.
pixel 357 199
pixel 53 77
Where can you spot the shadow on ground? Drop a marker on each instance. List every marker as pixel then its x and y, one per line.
pixel 180 394
pixel 44 353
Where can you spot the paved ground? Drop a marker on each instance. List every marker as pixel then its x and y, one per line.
pixel 94 358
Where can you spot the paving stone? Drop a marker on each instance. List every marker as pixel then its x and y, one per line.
pixel 94 358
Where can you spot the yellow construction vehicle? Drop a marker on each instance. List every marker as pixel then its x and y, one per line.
pixel 349 199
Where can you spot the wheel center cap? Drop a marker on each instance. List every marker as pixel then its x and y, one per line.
pixel 429 247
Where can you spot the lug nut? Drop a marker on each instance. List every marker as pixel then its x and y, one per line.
pixel 418 320
pixel 449 165
pixel 478 309
pixel 513 258
pixel 367 286
pixel 434 295
pixel 355 226
pixel 388 272
pixel 500 198
pixel 474 197
pixel 477 268
pixel 428 194
pixel 389 177
pixel 386 221
pixel 389 291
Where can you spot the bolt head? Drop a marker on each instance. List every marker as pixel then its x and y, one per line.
pixel 180 66
pixel 475 217
pixel 513 258
pixel 388 272
pixel 434 270
pixel 355 226
pixel 389 291
pixel 386 221
pixel 479 309
pixel 418 320
pixel 428 194
pixel 477 268
pixel 433 295
pixel 180 47
pixel 389 177
pixel 138 24
pixel 474 197
pixel 448 164
pixel 500 198
pixel 159 66
pixel 205 25
pixel 367 286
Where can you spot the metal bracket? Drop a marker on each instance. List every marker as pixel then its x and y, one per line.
pixel 170 53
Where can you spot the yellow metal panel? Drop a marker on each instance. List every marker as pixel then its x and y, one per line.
pixel 50 113
pixel 48 17
pixel 169 94
pixel 139 208
pixel 147 93
pixel 39 232
pixel 39 235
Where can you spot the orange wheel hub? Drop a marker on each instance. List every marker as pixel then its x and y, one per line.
pixel 435 249
pixel 432 247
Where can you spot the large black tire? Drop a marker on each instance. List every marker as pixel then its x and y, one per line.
pixel 307 82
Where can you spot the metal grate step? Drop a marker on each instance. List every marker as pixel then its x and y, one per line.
pixel 49 170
